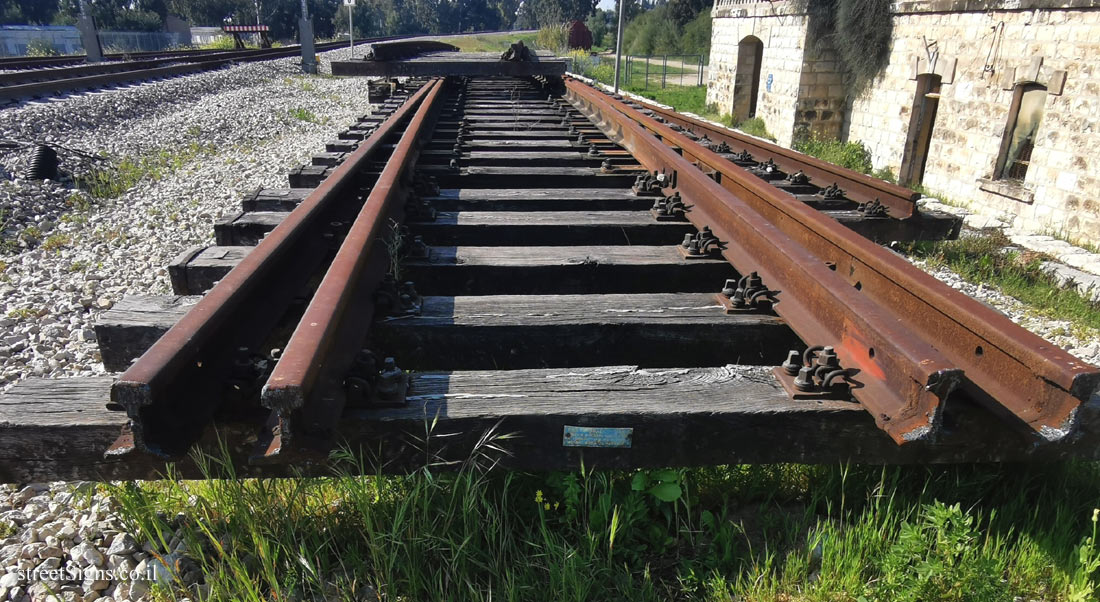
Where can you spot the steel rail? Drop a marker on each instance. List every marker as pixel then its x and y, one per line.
pixel 103 74
pixel 25 62
pixel 858 187
pixel 902 381
pixel 14 78
pixel 1016 373
pixel 310 373
pixel 168 389
pixel 56 86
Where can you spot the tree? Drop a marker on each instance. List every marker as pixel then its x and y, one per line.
pixel 683 11
pixel 213 13
pixel 38 12
pixel 119 15
pixel 282 17
pixel 598 24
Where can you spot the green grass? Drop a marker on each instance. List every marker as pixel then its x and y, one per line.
pixel 496 42
pixel 56 242
pixel 982 259
pixel 693 99
pixel 853 155
pixel 125 173
pixel 746 533
pixel 23 313
pixel 222 42
pixel 302 114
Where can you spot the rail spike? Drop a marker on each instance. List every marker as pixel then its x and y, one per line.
pixel 669 208
pixel 369 386
pixel 816 374
pixel 747 294
pixel 701 245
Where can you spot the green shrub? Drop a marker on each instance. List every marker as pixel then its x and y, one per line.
pixel 604 72
pixel 941 557
pixel 885 173
pixel 853 155
pixel 56 242
pixel 859 31
pixel 40 47
pixel 553 37
pixel 302 114
pixel 756 127
pixel 597 24
pixel 696 35
pixel 219 43
pixel 656 32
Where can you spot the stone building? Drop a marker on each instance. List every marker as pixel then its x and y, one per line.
pixel 995 103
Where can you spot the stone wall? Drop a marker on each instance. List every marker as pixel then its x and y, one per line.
pixel 784 35
pixel 980 49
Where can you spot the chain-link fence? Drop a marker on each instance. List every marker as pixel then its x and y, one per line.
pixel 643 72
pixel 658 71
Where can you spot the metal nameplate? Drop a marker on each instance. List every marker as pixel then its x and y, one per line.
pixel 596 436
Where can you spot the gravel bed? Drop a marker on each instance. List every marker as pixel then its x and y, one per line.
pixel 82 260
pixel 65 542
pixel 1083 344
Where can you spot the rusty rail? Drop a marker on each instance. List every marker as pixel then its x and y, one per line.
pixel 911 336
pixel 858 187
pixel 310 373
pixel 175 388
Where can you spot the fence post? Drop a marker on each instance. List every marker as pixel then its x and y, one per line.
pixel 682 71
pixel 646 59
pixel 700 70
pixel 664 71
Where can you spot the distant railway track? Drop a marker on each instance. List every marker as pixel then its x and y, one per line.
pixel 46 76
pixel 53 80
pixel 535 257
pixel 38 62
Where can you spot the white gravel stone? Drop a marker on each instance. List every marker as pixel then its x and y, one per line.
pixel 10 580
pixel 231 131
pixel 122 545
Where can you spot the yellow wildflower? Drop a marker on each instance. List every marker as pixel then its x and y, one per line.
pixel 538 496
pixel 546 506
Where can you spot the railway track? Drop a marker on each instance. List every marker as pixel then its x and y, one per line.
pixel 40 62
pixel 533 257
pixel 34 77
pixel 66 77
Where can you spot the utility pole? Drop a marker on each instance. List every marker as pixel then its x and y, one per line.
pixel 351 26
pixel 89 37
pixel 619 44
pixel 305 39
pixel 257 3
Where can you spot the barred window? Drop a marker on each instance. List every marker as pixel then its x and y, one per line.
pixel 1024 117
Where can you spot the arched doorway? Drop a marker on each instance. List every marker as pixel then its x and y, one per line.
pixel 919 137
pixel 746 82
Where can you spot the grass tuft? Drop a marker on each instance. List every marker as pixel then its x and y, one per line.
pixel 56 242
pixel 303 114
pixel 983 259
pixel 123 174
pixel 853 155
pixel 764 532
